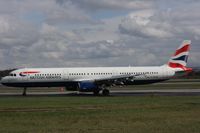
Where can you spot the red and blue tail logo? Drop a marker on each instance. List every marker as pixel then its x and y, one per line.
pixel 179 59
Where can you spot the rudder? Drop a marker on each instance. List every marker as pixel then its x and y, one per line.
pixel 179 59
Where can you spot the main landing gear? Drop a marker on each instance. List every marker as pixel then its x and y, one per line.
pixel 105 92
pixel 24 91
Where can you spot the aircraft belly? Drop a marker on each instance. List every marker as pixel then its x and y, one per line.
pixel 40 84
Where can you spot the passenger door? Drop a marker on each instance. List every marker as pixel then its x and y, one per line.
pixel 65 75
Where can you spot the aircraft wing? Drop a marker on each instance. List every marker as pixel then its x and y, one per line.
pixel 111 80
pixel 104 78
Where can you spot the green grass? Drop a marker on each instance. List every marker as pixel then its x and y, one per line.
pixel 147 114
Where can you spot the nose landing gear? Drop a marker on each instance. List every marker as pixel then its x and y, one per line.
pixel 24 91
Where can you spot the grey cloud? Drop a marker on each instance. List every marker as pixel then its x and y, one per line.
pixel 69 36
pixel 163 24
pixel 68 13
pixel 95 5
pixel 145 25
pixel 14 32
pixel 50 11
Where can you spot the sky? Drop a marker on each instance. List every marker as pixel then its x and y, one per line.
pixel 81 33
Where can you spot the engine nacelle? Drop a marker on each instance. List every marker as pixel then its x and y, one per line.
pixel 87 86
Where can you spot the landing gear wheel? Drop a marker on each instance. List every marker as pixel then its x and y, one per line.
pixel 96 92
pixel 106 92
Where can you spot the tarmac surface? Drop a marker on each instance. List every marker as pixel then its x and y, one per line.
pixel 156 92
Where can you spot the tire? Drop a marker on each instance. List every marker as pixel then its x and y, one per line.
pixel 106 92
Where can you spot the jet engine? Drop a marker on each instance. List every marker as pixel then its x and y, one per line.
pixel 87 86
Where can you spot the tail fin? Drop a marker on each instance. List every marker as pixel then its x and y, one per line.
pixel 179 59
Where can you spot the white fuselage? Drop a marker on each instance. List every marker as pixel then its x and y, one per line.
pixel 35 77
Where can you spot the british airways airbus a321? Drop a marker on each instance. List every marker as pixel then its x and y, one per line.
pixel 96 79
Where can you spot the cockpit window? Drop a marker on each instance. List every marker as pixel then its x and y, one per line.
pixel 12 74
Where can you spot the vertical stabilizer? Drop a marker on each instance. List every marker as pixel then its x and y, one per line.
pixel 179 59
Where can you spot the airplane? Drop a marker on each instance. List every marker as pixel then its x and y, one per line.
pixel 96 79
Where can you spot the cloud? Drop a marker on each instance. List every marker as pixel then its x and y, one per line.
pixel 162 24
pixel 14 32
pixel 49 11
pixel 147 24
pixel 96 5
pixel 67 13
pixel 62 33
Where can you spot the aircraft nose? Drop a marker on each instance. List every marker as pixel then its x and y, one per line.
pixel 7 81
pixel 4 80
